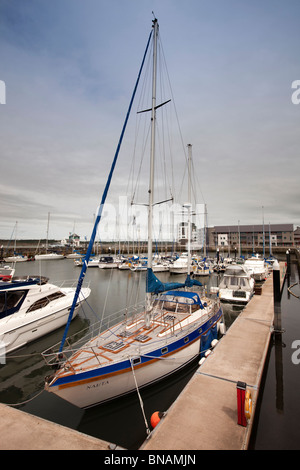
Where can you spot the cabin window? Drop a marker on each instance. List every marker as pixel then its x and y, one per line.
pixel 164 350
pixel 186 339
pixel 177 305
pixel 10 301
pixel 45 301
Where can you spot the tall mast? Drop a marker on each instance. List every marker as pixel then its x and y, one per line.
pixel 189 206
pixel 152 153
pixel 47 236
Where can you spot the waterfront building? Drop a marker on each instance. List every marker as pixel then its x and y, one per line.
pixel 251 236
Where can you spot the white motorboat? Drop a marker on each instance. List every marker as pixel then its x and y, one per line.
pixel 16 259
pixel 257 268
pixel 48 256
pixel 160 267
pixel 6 273
pixel 180 265
pixel 31 307
pixel 237 285
pixel 107 262
pixel 173 329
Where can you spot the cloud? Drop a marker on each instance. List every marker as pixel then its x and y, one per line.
pixel 69 70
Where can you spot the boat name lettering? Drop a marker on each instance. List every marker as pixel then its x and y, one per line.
pixel 98 384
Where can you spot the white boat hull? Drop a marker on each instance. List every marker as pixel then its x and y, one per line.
pixel 95 382
pixel 160 268
pixel 178 270
pixel 18 330
pixel 113 386
pixel 229 295
pixel 16 259
pixel 107 265
pixel 49 256
pixel 124 267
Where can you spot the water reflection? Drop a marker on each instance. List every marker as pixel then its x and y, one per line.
pixel 276 423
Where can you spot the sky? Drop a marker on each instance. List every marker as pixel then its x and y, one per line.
pixel 67 72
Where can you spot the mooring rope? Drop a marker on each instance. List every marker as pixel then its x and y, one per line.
pixel 290 291
pixel 24 402
pixel 140 398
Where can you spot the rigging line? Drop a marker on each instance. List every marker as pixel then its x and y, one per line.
pixel 196 182
pixel 173 100
pixel 105 301
pixel 26 401
pixel 163 114
pixel 23 356
pixel 141 163
pixel 140 398
pixel 100 208
pixel 138 124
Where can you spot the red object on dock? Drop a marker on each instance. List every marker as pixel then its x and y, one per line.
pixel 241 390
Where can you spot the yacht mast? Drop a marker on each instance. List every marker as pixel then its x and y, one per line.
pixel 189 203
pixel 47 237
pixel 152 153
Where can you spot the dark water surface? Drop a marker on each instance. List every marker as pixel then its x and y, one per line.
pixel 277 421
pixel 121 421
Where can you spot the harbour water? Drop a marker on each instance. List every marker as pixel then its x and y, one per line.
pixel 277 420
pixel 122 422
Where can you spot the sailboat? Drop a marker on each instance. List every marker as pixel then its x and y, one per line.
pixel 15 258
pixel 174 326
pixel 48 255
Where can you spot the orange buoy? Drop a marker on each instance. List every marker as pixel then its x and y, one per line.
pixel 155 418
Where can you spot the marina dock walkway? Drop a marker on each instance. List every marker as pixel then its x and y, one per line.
pixel 204 416
pixel 23 431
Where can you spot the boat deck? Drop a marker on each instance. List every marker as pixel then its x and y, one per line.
pixel 133 338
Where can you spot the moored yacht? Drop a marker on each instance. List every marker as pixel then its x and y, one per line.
pixel 49 256
pixel 237 285
pixel 107 262
pixel 173 326
pixel 180 265
pixel 31 307
pixel 257 268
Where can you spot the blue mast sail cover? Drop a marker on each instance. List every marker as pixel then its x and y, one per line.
pixel 155 286
pixel 100 208
pixel 191 282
